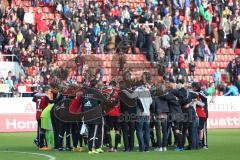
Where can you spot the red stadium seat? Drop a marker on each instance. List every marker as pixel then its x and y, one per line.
pixel 197 72
pixel 197 78
pixel 138 51
pixel 237 51
pixel 223 51
pixel 218 57
pixel 107 71
pixel 198 64
pixel 214 65
pixel 230 51
pixel 226 58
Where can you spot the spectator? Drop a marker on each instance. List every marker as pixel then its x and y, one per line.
pixel 126 17
pixel 59 7
pixel 21 80
pixel 2 80
pixel 20 12
pixel 133 40
pixel 223 37
pixel 181 65
pixel 232 91
pixel 149 44
pixel 41 26
pixel 20 39
pixel 99 73
pixel 208 18
pixel 190 52
pixel 138 11
pixel 167 21
pixel 196 28
pixel 184 47
pixel 11 80
pixel 165 41
pixel 217 77
pixel 29 17
pixel 28 39
pixel 102 42
pixel 211 89
pixel 88 47
pixel 176 20
pixel 2 39
pixel 38 16
pixel 236 32
pixel 76 24
pixel 157 42
pixel 34 3
pixel 141 38
pixel 175 50
pixel 213 49
pixel 192 67
pixel 47 54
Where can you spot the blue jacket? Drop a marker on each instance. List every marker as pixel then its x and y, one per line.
pixel 96 30
pixel 66 10
pixel 176 21
pixel 232 91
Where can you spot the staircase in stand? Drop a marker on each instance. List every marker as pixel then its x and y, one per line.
pixel 137 64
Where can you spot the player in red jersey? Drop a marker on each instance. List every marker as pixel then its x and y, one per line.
pixel 76 107
pixel 42 100
pixel 112 120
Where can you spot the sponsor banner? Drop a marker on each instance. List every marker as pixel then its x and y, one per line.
pixel 224 104
pixel 17 105
pixel 18 114
pixel 224 119
pixel 17 122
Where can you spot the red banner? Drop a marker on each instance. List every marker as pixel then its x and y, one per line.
pixel 17 122
pixel 18 114
pixel 224 119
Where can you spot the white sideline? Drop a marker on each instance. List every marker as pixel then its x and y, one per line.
pixel 32 153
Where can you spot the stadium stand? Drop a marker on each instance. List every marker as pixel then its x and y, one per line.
pixel 194 28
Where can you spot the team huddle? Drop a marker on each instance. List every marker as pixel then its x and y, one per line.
pixel 162 115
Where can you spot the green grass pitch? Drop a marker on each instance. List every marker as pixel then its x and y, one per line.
pixel 223 145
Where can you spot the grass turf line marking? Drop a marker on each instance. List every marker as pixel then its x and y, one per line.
pixel 32 153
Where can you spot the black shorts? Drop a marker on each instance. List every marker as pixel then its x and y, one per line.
pixel 201 123
pixel 112 122
pixel 177 125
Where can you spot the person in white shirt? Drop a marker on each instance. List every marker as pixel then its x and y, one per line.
pixel 88 47
pixel 59 8
pixel 143 113
pixel 29 17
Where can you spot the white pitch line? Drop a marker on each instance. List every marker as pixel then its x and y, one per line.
pixel 32 153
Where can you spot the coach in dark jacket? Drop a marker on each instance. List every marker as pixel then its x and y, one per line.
pixel 186 97
pixel 176 116
pixel 127 118
pixel 160 105
pixel 94 123
pixel 161 110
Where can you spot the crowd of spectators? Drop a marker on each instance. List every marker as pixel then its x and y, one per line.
pixel 172 34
